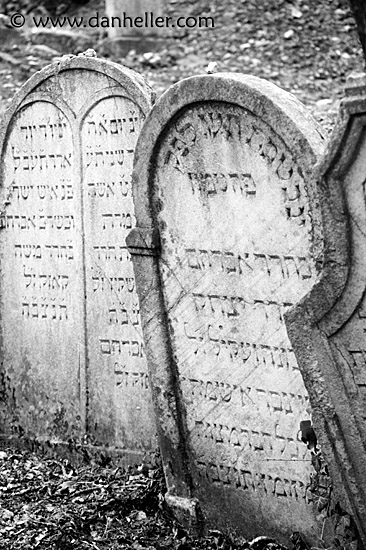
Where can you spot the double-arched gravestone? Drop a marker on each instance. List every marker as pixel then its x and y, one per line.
pixel 229 238
pixel 73 363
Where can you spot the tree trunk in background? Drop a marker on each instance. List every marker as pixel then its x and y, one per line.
pixel 359 11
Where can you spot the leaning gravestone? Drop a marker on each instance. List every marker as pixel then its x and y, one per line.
pixel 73 362
pixel 223 180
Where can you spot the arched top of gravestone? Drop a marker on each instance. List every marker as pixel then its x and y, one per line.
pixel 47 83
pixel 280 110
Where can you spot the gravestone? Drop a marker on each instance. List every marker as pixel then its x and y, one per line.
pixel 228 238
pixel 73 363
pixel 327 330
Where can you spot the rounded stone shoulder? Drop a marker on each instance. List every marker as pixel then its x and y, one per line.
pixel 133 83
pixel 280 109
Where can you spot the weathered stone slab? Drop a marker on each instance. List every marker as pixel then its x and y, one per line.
pixel 73 363
pixel 327 329
pixel 223 177
pixel 63 40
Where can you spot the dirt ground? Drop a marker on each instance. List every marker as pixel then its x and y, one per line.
pixel 307 47
pixel 50 503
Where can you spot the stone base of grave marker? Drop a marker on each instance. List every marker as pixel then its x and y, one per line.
pixel 120 46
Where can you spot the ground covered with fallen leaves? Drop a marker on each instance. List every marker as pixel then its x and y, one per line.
pixel 49 504
pixel 307 47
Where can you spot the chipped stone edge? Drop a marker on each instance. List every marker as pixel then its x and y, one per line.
pixel 186 511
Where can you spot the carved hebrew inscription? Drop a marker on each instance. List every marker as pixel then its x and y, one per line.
pixel 232 208
pixel 73 359
pixel 41 257
pixel 115 347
